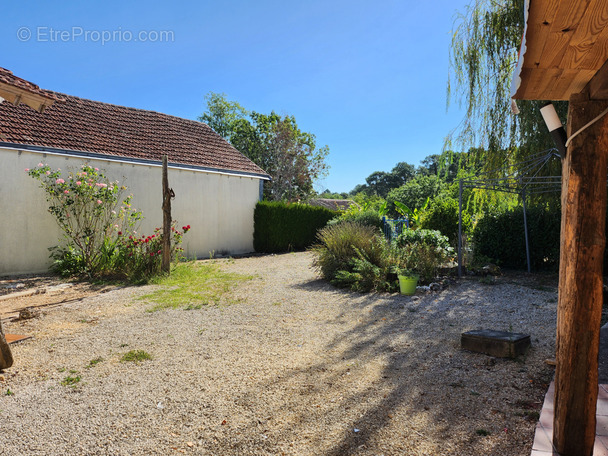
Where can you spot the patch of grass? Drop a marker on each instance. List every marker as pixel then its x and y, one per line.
pixel 71 381
pixel 61 369
pixel 135 356
pixel 193 307
pixel 482 432
pixel 191 286
pixel 93 362
pixel 9 392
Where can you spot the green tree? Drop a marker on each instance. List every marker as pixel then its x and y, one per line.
pixel 483 57
pixel 223 116
pixel 273 142
pixel 415 192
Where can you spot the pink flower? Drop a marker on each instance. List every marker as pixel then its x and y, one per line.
pixel 40 164
pixel 96 169
pixel 66 191
pixel 78 183
pixel 60 181
pixel 101 185
pixel 99 201
pixel 27 169
pixel 48 172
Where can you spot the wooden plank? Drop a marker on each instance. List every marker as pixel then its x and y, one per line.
pixel 540 18
pixel 598 85
pixel 567 18
pixel 586 34
pixel 579 80
pixel 13 338
pixel 580 280
pixel 596 58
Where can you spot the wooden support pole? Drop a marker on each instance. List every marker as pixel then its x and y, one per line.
pixel 167 192
pixel 580 279
pixel 6 358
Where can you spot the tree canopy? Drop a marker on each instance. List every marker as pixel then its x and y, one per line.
pixel 273 142
pixel 483 57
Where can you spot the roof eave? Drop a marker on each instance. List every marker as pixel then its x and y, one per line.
pixel 130 160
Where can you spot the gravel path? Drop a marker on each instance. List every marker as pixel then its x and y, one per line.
pixel 295 367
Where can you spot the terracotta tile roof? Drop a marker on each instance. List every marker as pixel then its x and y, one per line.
pixel 7 77
pixel 100 128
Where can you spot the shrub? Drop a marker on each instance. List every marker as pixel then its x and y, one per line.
pixel 426 237
pixel 281 227
pixel 98 226
pixel 339 244
pixel 378 272
pixel 443 217
pixel 368 217
pixel 501 236
pixel 425 251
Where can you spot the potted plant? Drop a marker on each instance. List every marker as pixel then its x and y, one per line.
pixel 408 281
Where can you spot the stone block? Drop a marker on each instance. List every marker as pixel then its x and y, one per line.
pixel 501 344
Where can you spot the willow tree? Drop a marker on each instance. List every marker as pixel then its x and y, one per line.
pixel 483 58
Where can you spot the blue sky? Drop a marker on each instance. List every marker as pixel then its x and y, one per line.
pixel 367 78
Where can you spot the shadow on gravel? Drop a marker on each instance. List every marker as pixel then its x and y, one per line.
pixel 416 341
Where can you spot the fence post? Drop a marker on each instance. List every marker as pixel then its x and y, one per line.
pixel 523 198
pixel 460 228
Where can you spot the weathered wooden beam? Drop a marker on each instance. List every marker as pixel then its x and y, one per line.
pixel 580 279
pixel 598 85
pixel 6 357
pixel 166 260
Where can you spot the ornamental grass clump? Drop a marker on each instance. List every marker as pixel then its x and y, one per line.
pixel 338 245
pixel 99 227
pixel 355 256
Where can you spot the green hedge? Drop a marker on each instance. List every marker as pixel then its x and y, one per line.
pixel 281 227
pixel 443 217
pixel 501 237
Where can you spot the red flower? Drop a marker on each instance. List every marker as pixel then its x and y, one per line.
pixel 120 233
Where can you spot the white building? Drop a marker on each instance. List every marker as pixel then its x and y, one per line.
pixel 216 186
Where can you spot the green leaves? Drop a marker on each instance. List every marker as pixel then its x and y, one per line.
pixel 273 142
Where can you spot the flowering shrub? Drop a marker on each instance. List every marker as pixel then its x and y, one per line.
pixel 99 226
pixel 142 256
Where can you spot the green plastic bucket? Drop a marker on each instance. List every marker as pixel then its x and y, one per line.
pixel 407 284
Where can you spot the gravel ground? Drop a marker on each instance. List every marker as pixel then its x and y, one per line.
pixel 294 367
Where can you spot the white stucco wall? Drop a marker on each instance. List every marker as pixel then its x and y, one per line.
pixel 218 207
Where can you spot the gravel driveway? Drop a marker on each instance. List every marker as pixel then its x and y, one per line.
pixel 294 367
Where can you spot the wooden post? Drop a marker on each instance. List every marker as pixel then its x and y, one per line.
pixel 580 279
pixel 167 193
pixel 6 358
